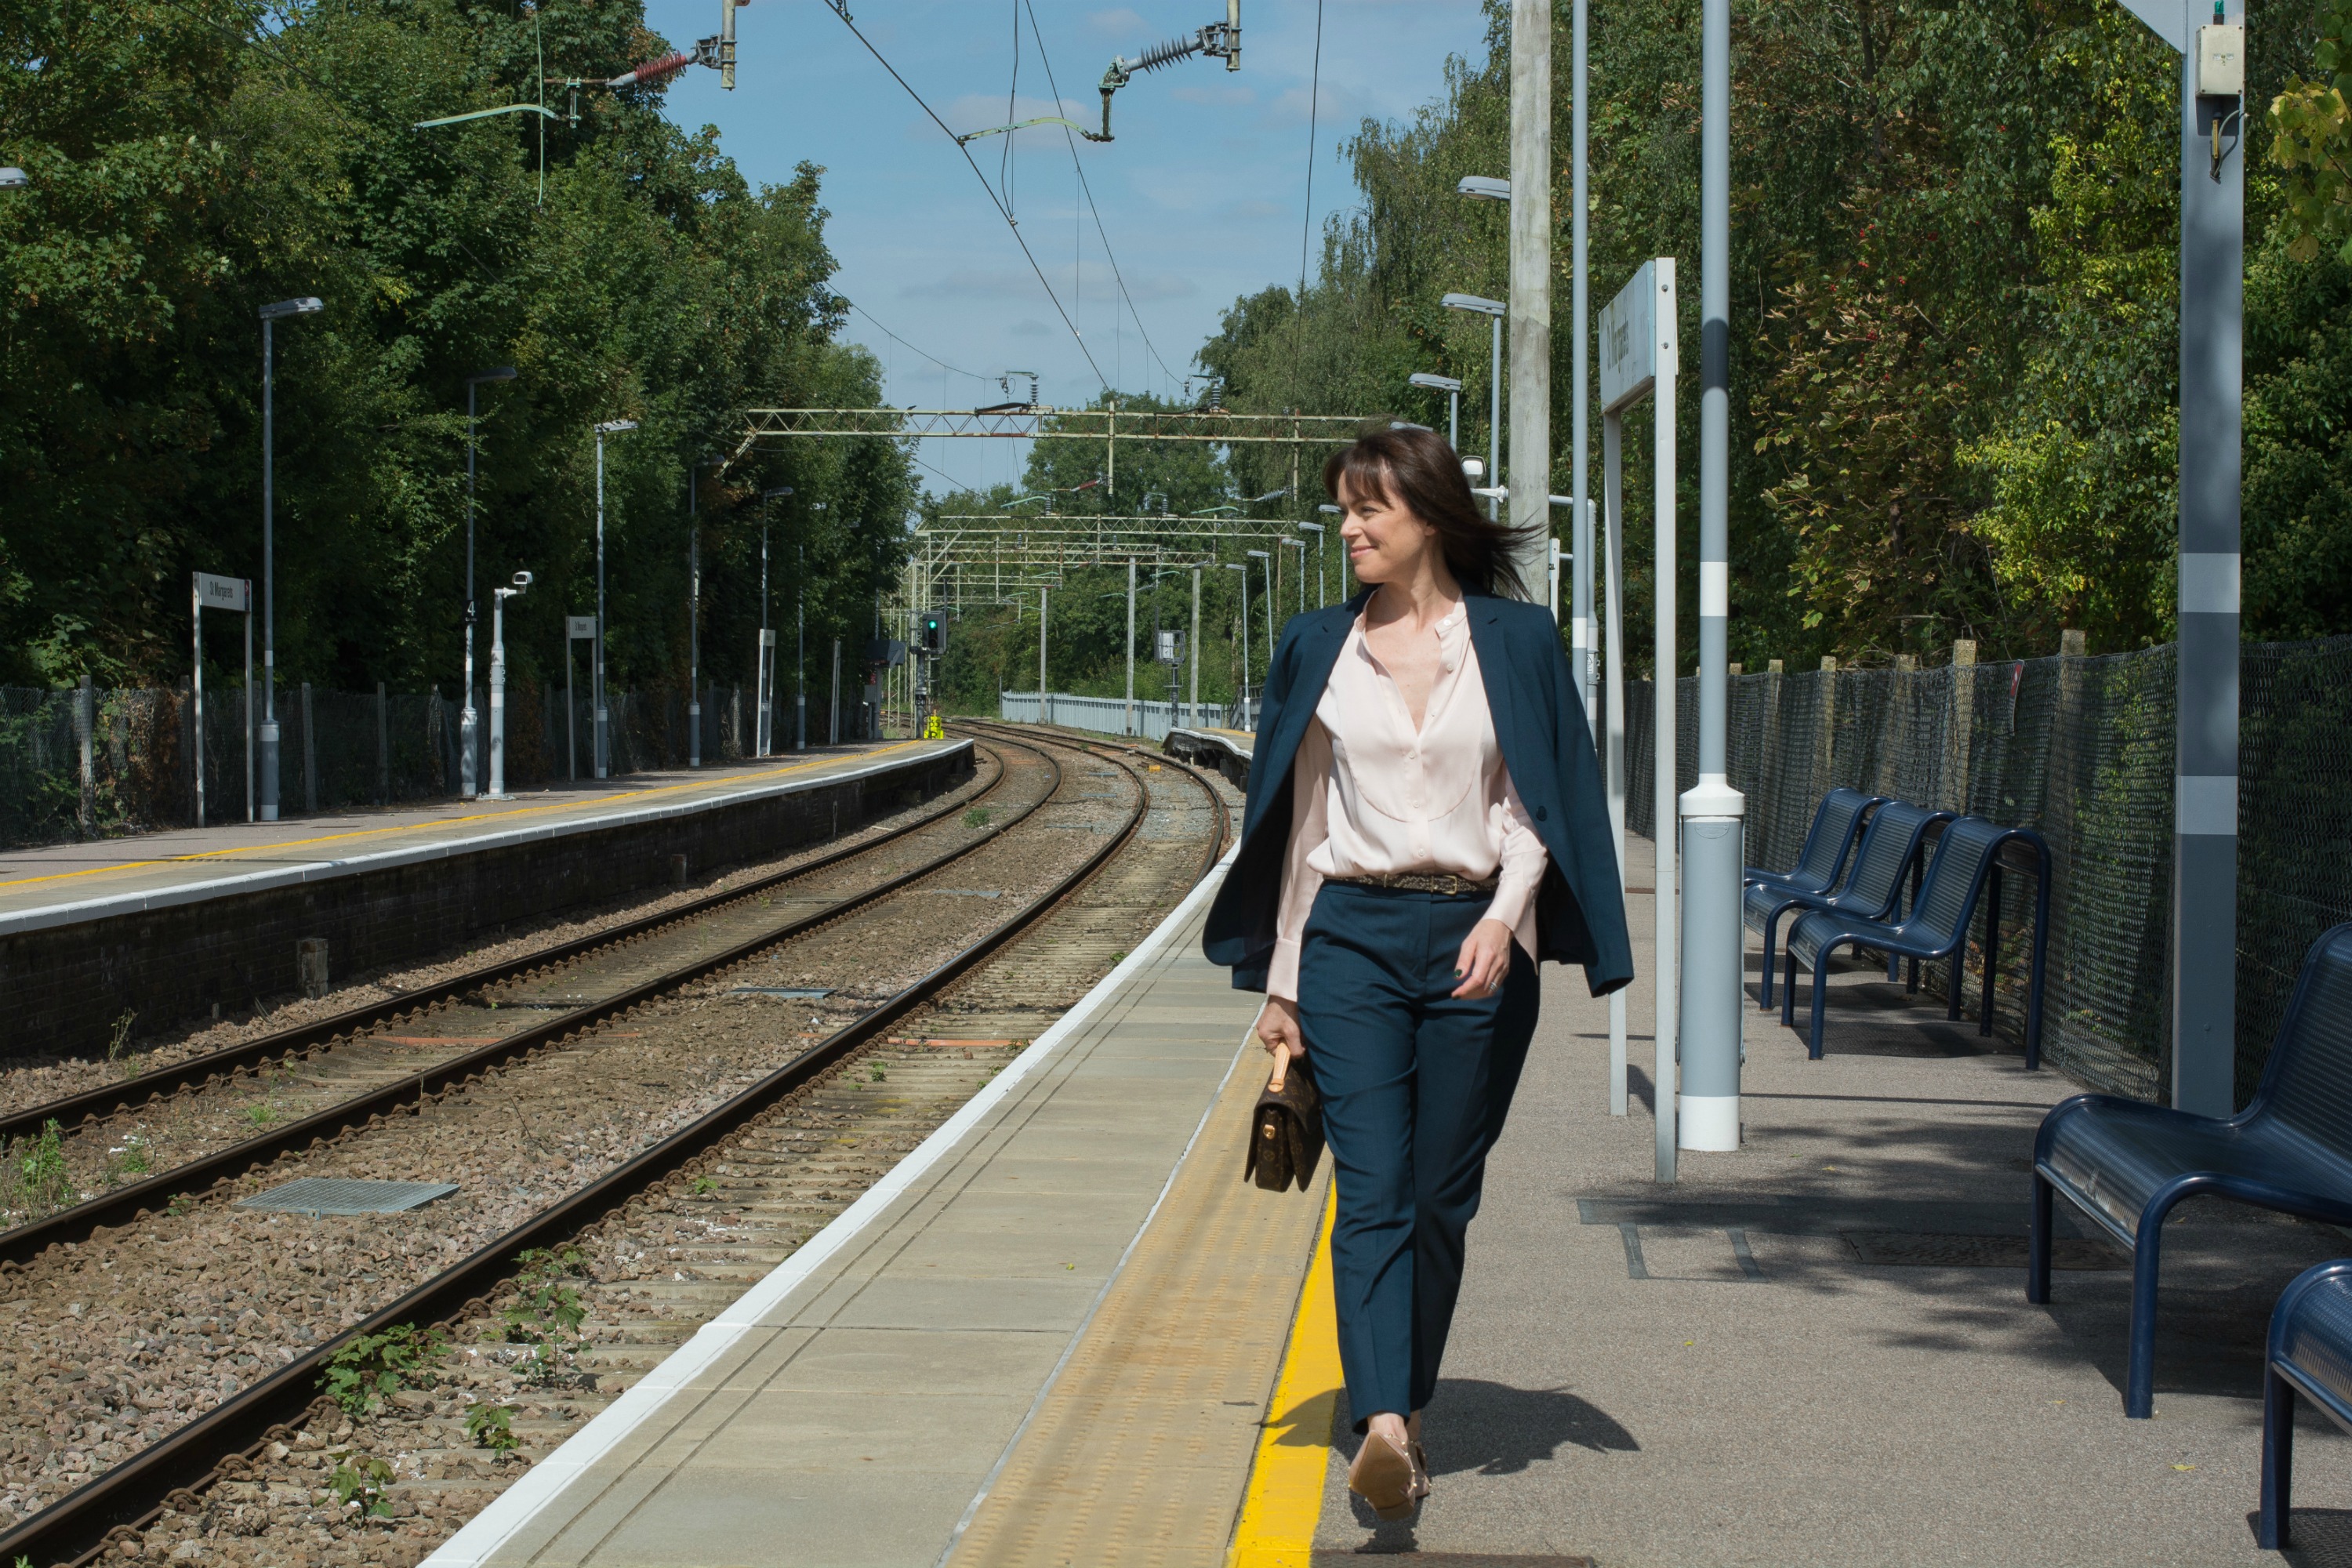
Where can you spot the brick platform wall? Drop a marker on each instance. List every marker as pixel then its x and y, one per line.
pixel 67 985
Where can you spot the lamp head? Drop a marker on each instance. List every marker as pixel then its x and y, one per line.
pixel 1484 188
pixel 1312 527
pixel 305 306
pixel 773 494
pixel 1474 304
pixel 1433 382
pixel 521 580
pixel 1257 555
pixel 1473 469
pixel 614 426
pixel 497 372
pixel 1327 506
pixel 12 179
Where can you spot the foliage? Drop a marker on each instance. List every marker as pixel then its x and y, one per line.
pixel 358 1481
pixel 192 159
pixel 491 1427
pixel 2312 140
pixel 34 1180
pixel 547 1312
pixel 373 1367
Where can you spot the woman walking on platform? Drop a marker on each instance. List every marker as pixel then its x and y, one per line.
pixel 1425 820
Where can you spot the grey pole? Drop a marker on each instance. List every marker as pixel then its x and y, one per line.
pixel 1041 654
pixel 1322 553
pixel 763 670
pixel 467 719
pixel 833 714
pixel 1196 646
pixel 1131 648
pixel 1495 412
pixel 252 813
pixel 1712 943
pixel 1612 433
pixel 1579 599
pixel 1267 557
pixel 1531 265
pixel 268 733
pixel 799 648
pixel 499 597
pixel 1453 419
pixel 693 627
pixel 1244 569
pixel 597 652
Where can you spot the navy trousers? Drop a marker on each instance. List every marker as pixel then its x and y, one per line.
pixel 1416 1086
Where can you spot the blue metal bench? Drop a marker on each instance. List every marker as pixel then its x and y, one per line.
pixel 1967 866
pixel 1820 865
pixel 2311 1354
pixel 1889 850
pixel 2125 1164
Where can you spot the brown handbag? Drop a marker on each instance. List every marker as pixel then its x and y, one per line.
pixel 1286 1130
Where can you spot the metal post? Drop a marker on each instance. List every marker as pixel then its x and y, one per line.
pixel 382 748
pixel 1530 295
pixel 1044 715
pixel 2205 820
pixel 833 714
pixel 1661 680
pixel 197 690
pixel 1131 648
pixel 571 716
pixel 799 649
pixel 465 718
pixel 252 812
pixel 269 736
pixel 1453 419
pixel 1579 598
pixel 693 627
pixel 1196 646
pixel 1613 431
pixel 1495 402
pixel 762 713
pixel 1713 945
pixel 1268 556
pixel 310 756
pixel 498 695
pixel 596 650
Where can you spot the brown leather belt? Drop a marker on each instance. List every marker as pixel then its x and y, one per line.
pixel 1424 882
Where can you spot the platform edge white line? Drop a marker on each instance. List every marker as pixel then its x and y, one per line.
pixel 513 1510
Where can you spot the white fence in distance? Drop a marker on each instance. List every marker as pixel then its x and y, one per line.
pixel 1108 715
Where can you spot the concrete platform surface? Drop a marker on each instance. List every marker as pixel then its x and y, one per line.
pixel 62 884
pixel 1817 1350
pixel 854 1407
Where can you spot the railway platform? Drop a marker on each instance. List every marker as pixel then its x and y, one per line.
pixel 1228 751
pixel 159 925
pixel 1066 1332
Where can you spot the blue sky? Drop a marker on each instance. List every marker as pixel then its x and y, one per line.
pixel 1201 196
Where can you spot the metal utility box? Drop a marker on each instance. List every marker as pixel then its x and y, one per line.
pixel 1169 647
pixel 2221 60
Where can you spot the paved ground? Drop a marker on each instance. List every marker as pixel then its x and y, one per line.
pixel 40 878
pixel 1866 1385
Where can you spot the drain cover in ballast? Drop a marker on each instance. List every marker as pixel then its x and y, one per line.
pixel 315 1195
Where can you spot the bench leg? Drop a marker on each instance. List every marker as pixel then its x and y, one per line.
pixel 2278 1461
pixel 1959 977
pixel 1820 998
pixel 1772 929
pixel 1789 994
pixel 2139 1371
pixel 2037 1244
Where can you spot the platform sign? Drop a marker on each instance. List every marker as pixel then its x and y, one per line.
pixel 1170 648
pixel 580 629
pixel 1629 342
pixel 218 593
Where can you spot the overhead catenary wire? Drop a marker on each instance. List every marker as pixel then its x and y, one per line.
pixel 1306 217
pixel 995 200
pixel 1087 190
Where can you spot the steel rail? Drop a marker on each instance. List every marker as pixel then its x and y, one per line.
pixel 299 1039
pixel 1000 730
pixel 127 1203
pixel 77 1527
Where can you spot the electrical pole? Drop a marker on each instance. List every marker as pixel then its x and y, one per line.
pixel 1712 941
pixel 1580 609
pixel 1530 297
pixel 1131 648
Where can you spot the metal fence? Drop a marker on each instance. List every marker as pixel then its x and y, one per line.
pixel 136 773
pixel 1108 715
pixel 2079 749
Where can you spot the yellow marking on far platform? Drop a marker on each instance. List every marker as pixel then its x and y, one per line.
pixel 235 850
pixel 1285 1500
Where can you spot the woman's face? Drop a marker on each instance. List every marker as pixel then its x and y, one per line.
pixel 1385 540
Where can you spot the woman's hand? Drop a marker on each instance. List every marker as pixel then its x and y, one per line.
pixel 1278 1030
pixel 1484 959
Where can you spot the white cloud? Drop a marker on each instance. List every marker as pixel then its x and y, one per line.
pixel 1120 22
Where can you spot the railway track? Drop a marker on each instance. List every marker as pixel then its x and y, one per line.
pixel 665 1235
pixel 209 1118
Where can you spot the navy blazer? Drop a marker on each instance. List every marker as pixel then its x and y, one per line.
pixel 1547 745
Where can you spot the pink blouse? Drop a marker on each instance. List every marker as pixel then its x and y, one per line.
pixel 1373 795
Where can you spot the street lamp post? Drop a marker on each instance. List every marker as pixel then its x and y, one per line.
pixel 763 674
pixel 1243 567
pixel 466 738
pixel 693 622
pixel 1300 546
pixel 499 597
pixel 1451 387
pixel 1494 310
pixel 1321 596
pixel 1268 558
pixel 596 661
pixel 270 316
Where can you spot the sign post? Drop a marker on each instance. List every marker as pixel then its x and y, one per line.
pixel 576 629
pixel 1638 353
pixel 215 593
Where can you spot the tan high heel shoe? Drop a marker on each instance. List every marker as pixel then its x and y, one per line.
pixel 1383 1477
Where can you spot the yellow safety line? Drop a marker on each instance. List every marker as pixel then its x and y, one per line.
pixel 1285 1500
pixel 447 822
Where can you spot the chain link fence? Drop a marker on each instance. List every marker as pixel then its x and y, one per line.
pixel 337 750
pixel 2079 749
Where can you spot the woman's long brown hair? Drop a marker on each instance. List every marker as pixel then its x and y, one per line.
pixel 1414 469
